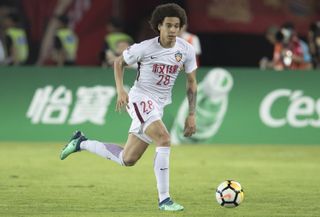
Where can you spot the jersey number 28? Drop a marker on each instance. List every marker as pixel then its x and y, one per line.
pixel 164 79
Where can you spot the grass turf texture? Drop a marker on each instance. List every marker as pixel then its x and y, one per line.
pixel 277 181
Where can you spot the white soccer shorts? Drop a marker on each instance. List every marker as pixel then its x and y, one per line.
pixel 143 111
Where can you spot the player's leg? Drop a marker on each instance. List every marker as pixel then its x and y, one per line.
pixel 79 142
pixel 133 150
pixel 109 151
pixel 126 156
pixel 161 137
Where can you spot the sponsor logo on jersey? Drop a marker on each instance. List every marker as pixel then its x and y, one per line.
pixel 164 69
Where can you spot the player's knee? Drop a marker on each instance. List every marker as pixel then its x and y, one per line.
pixel 130 161
pixel 164 140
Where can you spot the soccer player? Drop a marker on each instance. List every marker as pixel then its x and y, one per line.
pixel 160 60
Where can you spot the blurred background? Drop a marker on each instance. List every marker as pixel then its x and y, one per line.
pixel 230 32
pixel 258 71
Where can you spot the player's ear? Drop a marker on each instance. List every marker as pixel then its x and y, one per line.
pixel 159 26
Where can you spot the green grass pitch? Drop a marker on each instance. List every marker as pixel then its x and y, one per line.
pixel 277 181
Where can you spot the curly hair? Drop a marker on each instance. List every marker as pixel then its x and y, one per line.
pixel 167 10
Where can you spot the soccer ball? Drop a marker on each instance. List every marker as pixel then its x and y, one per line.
pixel 229 194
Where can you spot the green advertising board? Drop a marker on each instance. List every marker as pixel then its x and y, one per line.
pixel 234 105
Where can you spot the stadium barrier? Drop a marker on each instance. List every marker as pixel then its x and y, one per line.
pixel 235 105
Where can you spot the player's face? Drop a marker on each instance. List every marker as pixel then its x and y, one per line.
pixel 169 30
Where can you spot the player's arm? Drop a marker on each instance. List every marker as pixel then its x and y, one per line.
pixel 190 124
pixel 122 98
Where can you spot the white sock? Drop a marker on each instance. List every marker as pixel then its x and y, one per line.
pixel 161 170
pixel 110 151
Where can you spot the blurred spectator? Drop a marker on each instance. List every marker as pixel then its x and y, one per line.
pixel 111 55
pixel 314 43
pixel 290 52
pixel 65 43
pixel 47 42
pixel 192 39
pixel 17 49
pixel 116 41
pixel 296 51
pixel 276 62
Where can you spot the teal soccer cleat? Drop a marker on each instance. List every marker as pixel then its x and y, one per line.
pixel 169 205
pixel 73 145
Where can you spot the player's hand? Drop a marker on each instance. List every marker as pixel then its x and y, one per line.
pixel 122 100
pixel 190 126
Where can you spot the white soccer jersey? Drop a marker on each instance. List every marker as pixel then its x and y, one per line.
pixel 158 67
